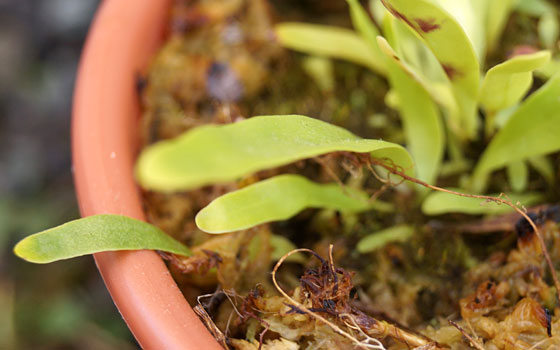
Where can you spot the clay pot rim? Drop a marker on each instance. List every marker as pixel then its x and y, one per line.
pixel 105 112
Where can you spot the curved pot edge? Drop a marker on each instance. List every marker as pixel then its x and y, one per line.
pixel 105 112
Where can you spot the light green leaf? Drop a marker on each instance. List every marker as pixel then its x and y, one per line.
pixel 452 47
pixel 549 70
pixel 438 203
pixel 363 23
pixel 95 234
pixel 329 41
pixel 374 241
pixel 222 153
pixel 549 29
pixel 471 15
pixel 506 83
pixel 275 199
pixel 533 7
pixel 320 69
pixel 421 120
pixel 281 246
pixel 543 166
pixel 497 14
pixel 518 175
pixel 532 130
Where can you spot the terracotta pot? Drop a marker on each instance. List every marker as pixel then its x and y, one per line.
pixel 123 37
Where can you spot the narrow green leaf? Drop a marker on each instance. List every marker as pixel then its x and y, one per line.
pixel 281 246
pixel 506 83
pixel 275 199
pixel 320 69
pixel 543 166
pixel 374 241
pixel 363 23
pixel 438 203
pixel 329 41
pixel 533 7
pixel 518 175
pixel 95 234
pixel 531 131
pixel 452 47
pixel 421 120
pixel 221 153
pixel 549 29
pixel 497 14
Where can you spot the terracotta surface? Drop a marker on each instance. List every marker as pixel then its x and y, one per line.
pixel 123 37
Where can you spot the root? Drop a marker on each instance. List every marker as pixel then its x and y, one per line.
pixel 366 326
pixel 393 169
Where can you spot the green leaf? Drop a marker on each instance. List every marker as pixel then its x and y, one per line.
pixel 531 131
pixel 329 41
pixel 372 242
pixel 518 175
pixel 363 23
pixel 222 153
pixel 438 203
pixel 543 166
pixel 549 29
pixel 421 120
pixel 506 83
pixel 533 7
pixel 471 15
pixel 94 234
pixel 320 69
pixel 452 47
pixel 281 246
pixel 275 199
pixel 497 14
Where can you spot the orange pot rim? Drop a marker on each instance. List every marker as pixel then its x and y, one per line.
pixel 105 114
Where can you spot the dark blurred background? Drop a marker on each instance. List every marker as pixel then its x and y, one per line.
pixel 62 305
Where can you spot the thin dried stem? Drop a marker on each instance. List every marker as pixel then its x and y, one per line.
pixel 397 171
pixel 473 342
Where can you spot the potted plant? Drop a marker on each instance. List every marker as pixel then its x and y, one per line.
pixel 139 282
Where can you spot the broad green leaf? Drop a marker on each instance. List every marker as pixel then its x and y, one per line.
pixel 438 203
pixel 471 15
pixel 94 234
pixel 452 47
pixel 531 131
pixel 275 199
pixel 222 153
pixel 506 83
pixel 421 120
pixel 496 19
pixel 329 41
pixel 374 241
pixel 549 70
pixel 518 175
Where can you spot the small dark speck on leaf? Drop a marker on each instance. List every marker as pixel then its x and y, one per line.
pixel 397 14
pixel 450 71
pixel 427 25
pixel 223 83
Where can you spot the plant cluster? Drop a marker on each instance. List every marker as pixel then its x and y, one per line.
pixel 434 56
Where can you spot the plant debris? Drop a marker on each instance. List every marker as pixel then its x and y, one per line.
pixel 494 287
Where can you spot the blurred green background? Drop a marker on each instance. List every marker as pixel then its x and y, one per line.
pixel 62 305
